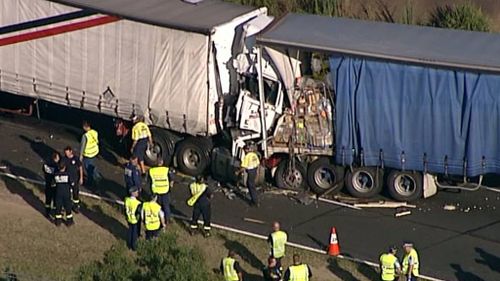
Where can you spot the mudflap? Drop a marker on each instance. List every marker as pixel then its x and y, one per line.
pixel 430 187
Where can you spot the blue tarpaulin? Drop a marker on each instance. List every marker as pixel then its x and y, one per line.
pixel 416 117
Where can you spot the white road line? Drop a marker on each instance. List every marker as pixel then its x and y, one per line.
pixel 222 227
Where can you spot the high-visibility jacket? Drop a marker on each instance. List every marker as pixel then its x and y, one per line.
pixel 279 239
pixel 299 272
pixel 92 145
pixel 151 212
pixel 131 206
pixel 387 264
pixel 250 161
pixel 197 190
pixel 406 263
pixel 140 131
pixel 159 180
pixel 230 274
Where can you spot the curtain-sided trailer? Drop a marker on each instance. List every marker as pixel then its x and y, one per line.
pixel 416 106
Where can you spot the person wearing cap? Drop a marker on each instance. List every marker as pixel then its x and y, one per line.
pixel 153 217
pixel 200 201
pixel 250 164
pixel 277 240
pixel 298 271
pixel 141 136
pixel 410 262
pixel 132 174
pixel 230 268
pixel 89 149
pixel 389 265
pixel 133 215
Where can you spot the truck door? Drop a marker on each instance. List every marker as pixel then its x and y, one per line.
pixel 248 115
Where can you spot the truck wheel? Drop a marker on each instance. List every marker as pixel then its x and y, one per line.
pixel 192 157
pixel 363 182
pixel 405 186
pixel 163 147
pixel 322 175
pixel 287 177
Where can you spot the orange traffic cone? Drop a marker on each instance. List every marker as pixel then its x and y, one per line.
pixel 334 249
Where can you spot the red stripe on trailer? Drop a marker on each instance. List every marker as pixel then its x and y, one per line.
pixel 57 30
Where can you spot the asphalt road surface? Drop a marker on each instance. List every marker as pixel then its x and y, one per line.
pixel 453 245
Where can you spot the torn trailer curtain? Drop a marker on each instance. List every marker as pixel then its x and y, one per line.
pixel 415 117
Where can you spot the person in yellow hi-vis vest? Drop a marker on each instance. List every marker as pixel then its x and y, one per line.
pixel 389 265
pixel 200 201
pixel 410 262
pixel 230 268
pixel 133 210
pixel 89 150
pixel 159 177
pixel 277 240
pixel 141 137
pixel 153 217
pixel 298 271
pixel 250 164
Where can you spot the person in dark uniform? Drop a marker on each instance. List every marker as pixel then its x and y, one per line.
pixel 75 170
pixel 272 271
pixel 200 201
pixel 63 195
pixel 50 167
pixel 132 174
pixel 250 164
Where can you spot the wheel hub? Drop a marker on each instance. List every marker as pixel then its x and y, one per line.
pixel 324 178
pixel 191 159
pixel 363 181
pixel 153 152
pixel 293 178
pixel 405 185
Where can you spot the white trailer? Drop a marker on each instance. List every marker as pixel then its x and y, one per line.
pixel 169 60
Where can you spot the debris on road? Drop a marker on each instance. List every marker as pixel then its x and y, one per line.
pixel 254 220
pixel 449 207
pixel 400 212
pixel 384 204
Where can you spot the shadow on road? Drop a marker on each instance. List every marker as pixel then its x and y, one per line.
pixel 368 271
pixel 317 241
pixel 488 259
pixel 464 275
pixel 16 187
pixel 337 270
pixel 43 150
pixel 99 217
pixel 242 251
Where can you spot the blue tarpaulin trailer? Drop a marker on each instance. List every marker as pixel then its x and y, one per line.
pixel 417 100
pixel 416 117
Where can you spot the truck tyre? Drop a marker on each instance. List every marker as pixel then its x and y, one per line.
pixel 405 186
pixel 163 147
pixel 192 157
pixel 364 182
pixel 323 175
pixel 291 178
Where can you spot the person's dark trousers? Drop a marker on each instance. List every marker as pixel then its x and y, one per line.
pixel 251 176
pixel 50 192
pixel 152 234
pixel 278 263
pixel 204 210
pixel 63 201
pixel 164 201
pixel 132 235
pixel 91 171
pixel 75 190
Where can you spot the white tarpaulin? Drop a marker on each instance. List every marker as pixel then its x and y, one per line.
pixel 147 69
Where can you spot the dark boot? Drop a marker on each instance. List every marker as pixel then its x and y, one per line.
pixel 76 208
pixel 58 221
pixel 69 222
